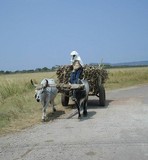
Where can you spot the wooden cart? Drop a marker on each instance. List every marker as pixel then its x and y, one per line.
pixel 95 75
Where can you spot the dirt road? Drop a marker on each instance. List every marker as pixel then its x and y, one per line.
pixel 117 132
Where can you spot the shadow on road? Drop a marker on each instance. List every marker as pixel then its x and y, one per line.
pixel 108 102
pixel 55 115
pixel 90 115
pixel 94 104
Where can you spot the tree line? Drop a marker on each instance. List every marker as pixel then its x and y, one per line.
pixel 54 68
pixel 44 69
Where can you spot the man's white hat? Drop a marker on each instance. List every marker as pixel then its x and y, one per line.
pixel 75 56
pixel 74 53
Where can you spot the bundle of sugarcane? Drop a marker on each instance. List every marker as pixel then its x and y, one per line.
pixel 94 74
pixel 63 73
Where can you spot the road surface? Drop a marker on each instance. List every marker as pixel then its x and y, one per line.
pixel 118 131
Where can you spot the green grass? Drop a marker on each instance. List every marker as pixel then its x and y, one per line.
pixel 18 108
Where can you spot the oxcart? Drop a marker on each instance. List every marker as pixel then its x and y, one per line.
pixel 95 75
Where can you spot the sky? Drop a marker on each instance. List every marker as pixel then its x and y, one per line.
pixel 43 33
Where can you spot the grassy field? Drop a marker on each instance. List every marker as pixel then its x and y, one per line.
pixel 125 77
pixel 18 108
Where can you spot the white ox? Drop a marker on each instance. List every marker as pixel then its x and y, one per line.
pixel 45 93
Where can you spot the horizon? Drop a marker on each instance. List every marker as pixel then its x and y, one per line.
pixel 106 63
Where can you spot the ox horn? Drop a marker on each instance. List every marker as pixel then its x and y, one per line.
pixel 33 83
pixel 46 85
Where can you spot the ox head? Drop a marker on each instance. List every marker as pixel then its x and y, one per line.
pixel 39 89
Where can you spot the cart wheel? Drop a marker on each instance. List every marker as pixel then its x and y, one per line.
pixel 102 97
pixel 64 99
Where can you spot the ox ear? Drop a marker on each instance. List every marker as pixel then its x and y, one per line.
pixel 33 83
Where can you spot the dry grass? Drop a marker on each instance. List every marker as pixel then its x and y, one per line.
pixel 125 77
pixel 18 108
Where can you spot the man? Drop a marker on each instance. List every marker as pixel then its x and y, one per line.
pixel 76 74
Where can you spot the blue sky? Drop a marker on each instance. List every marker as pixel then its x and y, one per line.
pixel 42 33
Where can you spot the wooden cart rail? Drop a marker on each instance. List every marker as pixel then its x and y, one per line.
pixel 63 86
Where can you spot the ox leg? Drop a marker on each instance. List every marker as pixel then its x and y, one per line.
pixel 53 107
pixel 44 114
pixel 45 105
pixel 85 108
pixel 79 114
pixel 78 107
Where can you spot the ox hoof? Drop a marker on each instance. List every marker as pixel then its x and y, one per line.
pixel 85 113
pixel 79 116
pixel 43 120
